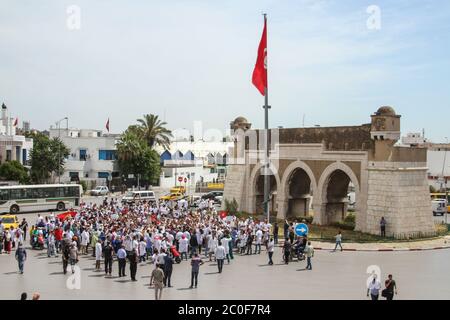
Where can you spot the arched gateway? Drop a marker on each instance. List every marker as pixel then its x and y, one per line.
pixel 313 169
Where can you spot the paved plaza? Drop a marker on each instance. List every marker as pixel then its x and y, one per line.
pixel 340 275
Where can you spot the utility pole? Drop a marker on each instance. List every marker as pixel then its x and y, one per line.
pixel 445 179
pixel 266 151
pixel 58 123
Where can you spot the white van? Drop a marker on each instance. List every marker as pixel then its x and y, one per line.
pixel 439 207
pixel 136 196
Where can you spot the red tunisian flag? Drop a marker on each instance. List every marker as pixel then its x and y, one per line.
pixel 107 125
pixel 16 122
pixel 259 78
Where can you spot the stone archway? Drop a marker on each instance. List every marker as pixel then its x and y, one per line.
pixel 297 187
pixel 257 190
pixel 331 202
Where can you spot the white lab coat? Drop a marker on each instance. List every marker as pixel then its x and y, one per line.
pixel 183 245
pixel 98 251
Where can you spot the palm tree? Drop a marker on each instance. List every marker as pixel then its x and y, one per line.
pixel 129 146
pixel 153 131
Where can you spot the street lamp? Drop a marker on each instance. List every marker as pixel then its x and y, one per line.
pixel 58 123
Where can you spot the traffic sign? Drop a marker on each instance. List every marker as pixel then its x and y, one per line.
pixel 185 180
pixel 301 229
pixel 180 179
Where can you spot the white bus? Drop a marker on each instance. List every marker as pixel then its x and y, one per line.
pixel 21 198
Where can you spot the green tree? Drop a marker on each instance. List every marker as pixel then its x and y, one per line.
pixel 136 157
pixel 14 171
pixel 46 157
pixel 153 131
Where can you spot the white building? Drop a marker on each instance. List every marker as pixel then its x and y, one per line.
pixel 12 146
pixel 92 154
pixel 197 161
pixel 438 159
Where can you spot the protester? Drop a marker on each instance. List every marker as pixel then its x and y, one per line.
pixel 270 250
pixel 157 279
pixel 391 288
pixel 168 268
pixel 220 254
pixel 21 257
pixel 196 262
pixel 383 227
pixel 338 238
pixel 309 250
pixel 98 254
pixel 374 288
pixel 121 258
pixel 108 258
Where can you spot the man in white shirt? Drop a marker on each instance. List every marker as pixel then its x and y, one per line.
pixel 220 254
pixel 270 250
pixel 258 241
pixel 374 288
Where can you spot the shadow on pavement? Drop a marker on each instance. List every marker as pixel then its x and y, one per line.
pixel 12 272
pixel 55 273
pixel 208 273
pixel 185 288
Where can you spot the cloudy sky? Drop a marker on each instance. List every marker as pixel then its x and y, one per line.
pixel 192 61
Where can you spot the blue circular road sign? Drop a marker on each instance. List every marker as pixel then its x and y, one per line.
pixel 301 229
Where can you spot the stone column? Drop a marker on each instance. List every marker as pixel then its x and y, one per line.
pixel 282 208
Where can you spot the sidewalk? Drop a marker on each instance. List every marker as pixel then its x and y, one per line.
pixel 435 244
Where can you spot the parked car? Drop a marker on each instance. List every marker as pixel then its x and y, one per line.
pixel 9 221
pixel 172 196
pixel 218 199
pixel 100 191
pixel 439 207
pixel 194 201
pixel 178 189
pixel 212 195
pixel 135 196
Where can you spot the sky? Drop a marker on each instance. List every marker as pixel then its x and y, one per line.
pixel 330 62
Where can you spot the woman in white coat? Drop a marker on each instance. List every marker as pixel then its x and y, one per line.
pixel 183 246
pixel 98 254
pixel 212 246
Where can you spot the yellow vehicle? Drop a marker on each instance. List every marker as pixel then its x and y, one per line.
pixel 215 186
pixel 172 196
pixel 178 189
pixel 441 196
pixel 9 221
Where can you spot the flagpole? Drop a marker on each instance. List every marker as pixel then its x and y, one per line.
pixel 266 151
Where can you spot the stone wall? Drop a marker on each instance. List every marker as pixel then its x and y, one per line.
pixel 399 193
pixel 234 186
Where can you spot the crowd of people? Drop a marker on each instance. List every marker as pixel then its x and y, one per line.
pixel 164 234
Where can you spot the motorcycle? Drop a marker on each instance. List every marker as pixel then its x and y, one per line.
pixel 175 254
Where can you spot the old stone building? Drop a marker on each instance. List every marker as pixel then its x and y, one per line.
pixel 312 168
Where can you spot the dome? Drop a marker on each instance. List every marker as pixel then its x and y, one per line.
pixel 240 120
pixel 386 111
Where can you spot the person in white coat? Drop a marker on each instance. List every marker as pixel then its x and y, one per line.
pixel 225 244
pixel 184 246
pixel 212 245
pixel 258 242
pixel 98 254
pixel 84 241
pixel 220 256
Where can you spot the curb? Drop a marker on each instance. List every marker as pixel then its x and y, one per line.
pixel 381 249
pixel 386 249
